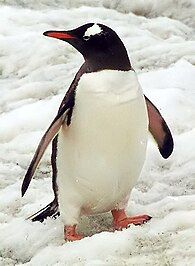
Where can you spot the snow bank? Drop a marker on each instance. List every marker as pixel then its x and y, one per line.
pixel 35 72
pixel 183 10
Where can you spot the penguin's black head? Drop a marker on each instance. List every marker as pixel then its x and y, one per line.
pixel 100 46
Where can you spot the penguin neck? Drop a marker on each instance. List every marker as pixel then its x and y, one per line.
pixel 111 61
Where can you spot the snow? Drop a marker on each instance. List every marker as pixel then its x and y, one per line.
pixel 35 72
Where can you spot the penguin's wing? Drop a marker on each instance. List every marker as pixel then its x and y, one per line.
pixel 46 139
pixel 159 130
pixel 63 116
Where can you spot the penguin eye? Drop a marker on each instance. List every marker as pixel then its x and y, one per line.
pixel 86 38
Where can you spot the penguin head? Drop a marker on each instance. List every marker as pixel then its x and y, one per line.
pixel 100 46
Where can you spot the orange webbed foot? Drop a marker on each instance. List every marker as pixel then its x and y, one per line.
pixel 122 221
pixel 70 233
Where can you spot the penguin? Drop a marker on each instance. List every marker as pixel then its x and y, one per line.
pixel 99 135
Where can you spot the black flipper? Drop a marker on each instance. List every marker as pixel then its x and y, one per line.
pixel 46 139
pixel 64 113
pixel 63 116
pixel 159 130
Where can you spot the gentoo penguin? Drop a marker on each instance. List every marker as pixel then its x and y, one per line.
pixel 99 133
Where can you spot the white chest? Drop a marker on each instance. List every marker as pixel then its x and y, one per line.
pixel 101 154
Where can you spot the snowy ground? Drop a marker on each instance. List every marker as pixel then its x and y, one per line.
pixel 35 72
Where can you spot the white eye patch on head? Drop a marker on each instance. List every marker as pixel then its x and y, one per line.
pixel 93 30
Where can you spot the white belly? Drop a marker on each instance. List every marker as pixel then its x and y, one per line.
pixel 101 154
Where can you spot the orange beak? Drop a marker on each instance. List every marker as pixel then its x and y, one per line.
pixel 61 35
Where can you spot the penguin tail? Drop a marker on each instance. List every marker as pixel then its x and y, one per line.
pixel 51 210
